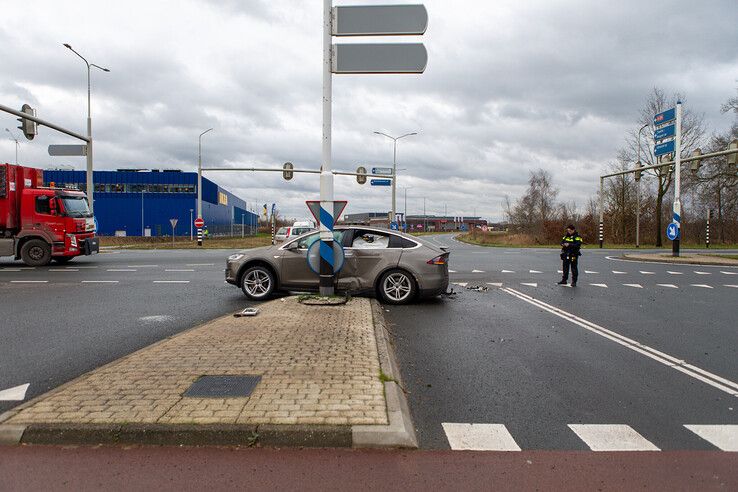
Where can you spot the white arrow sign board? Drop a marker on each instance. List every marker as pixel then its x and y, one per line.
pixel 67 150
pixel 379 58
pixel 379 20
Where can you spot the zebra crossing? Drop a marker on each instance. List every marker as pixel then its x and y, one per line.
pixel 597 437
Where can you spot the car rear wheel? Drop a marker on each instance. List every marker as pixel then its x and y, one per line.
pixel 397 287
pixel 258 283
pixel 36 252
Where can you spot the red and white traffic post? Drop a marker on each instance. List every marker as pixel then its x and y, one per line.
pixel 199 224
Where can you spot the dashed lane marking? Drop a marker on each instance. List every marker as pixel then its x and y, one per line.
pixel 120 270
pixel 29 281
pixel 590 271
pixel 534 271
pixel 612 437
pixel 100 281
pixel 10 270
pixel 16 393
pixel 703 286
pixel 637 286
pixel 729 273
pixel 723 437
pixel 529 284
pixel 671 286
pixel 702 273
pixel 600 285
pixel 730 285
pixel 477 271
pixel 648 273
pixel 461 284
pixel 507 271
pixel 479 437
pixel 618 273
pixel 452 271
pixel 200 264
pixel 82 267
pixel 499 284
pixel 171 281
pixel 179 270
pixel 143 266
pixel 63 269
pixel 680 365
pixel 674 273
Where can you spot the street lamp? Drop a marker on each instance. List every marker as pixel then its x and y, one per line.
pixel 638 191
pixel 199 173
pixel 394 170
pixel 12 136
pixel 90 184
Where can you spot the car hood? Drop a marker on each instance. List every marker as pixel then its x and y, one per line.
pixel 263 250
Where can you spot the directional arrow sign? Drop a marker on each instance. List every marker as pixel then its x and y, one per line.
pixel 381 182
pixel 67 150
pixel 382 170
pixel 664 132
pixel 665 117
pixel 664 148
pixel 379 58
pixel 379 20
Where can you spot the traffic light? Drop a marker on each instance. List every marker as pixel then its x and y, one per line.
pixel 694 166
pixel 733 158
pixel 28 127
pixel 361 178
pixel 638 173
pixel 287 171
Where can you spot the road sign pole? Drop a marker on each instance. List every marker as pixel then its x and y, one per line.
pixel 707 230
pixel 394 183
pixel 677 212
pixel 326 218
pixel 601 232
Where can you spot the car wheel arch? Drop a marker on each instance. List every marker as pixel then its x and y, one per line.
pixel 257 262
pixel 413 277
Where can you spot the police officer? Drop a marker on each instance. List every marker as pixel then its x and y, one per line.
pixel 571 243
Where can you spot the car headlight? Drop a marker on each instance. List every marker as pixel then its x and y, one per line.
pixel 236 257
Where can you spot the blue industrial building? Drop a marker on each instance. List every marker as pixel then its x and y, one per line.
pixel 141 203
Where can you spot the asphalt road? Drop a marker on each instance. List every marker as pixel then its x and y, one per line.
pixel 58 322
pixel 640 349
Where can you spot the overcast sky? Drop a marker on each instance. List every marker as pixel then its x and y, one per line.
pixel 510 87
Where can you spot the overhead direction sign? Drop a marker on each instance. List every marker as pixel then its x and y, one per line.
pixel 67 150
pixel 382 170
pixel 381 182
pixel 664 148
pixel 379 20
pixel 664 132
pixel 379 58
pixel 665 117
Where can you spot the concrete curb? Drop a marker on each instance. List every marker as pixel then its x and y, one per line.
pixel 399 433
pixel 681 260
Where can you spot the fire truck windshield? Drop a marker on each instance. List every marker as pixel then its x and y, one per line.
pixel 76 206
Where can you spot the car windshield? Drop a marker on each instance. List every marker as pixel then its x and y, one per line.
pixel 282 231
pixel 307 241
pixel 76 206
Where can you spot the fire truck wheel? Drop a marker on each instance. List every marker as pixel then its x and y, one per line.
pixel 36 252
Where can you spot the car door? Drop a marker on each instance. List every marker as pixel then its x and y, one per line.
pixel 368 256
pixel 295 271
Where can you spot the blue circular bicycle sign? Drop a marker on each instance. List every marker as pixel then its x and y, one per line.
pixel 672 231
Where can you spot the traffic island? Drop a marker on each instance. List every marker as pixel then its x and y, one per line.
pixel 293 375
pixel 684 258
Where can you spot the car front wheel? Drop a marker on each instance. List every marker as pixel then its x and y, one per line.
pixel 258 283
pixel 397 287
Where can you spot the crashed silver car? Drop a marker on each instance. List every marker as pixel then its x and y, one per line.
pixel 395 267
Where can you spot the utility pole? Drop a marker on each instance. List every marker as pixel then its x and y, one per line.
pixel 90 181
pixel 677 210
pixel 12 136
pixel 425 217
pixel 638 191
pixel 199 184
pixel 326 176
pixel 191 220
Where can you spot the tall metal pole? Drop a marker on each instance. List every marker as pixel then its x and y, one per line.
pixel 638 192
pixel 199 184
pixel 601 232
pixel 16 144
pixel 393 213
pixel 677 211
pixel 90 181
pixel 191 220
pixel 326 176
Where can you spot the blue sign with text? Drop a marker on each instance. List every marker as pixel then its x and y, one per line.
pixel 665 117
pixel 664 132
pixel 664 148
pixel 381 182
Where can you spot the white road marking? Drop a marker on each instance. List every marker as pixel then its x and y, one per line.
pixel 648 273
pixel 495 284
pixel 671 286
pixel 559 271
pixel 200 264
pixel 120 270
pixel 531 284
pixel 637 286
pixel 674 273
pixel 179 270
pixel 534 271
pixel 63 269
pixel 143 266
pixel 479 437
pixel 507 271
pixel 452 271
pixel 680 365
pixel 600 285
pixel 729 285
pixel 29 281
pixel 612 437
pixel 723 437
pixel 461 284
pixel 157 318
pixel 702 286
pixel 729 273
pixel 100 281
pixel 477 271
pixel 171 281
pixel 702 273
pixel 618 273
pixel 590 271
pixel 85 267
pixel 17 393
pixel 10 270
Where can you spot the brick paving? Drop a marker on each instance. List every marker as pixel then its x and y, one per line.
pixel 319 365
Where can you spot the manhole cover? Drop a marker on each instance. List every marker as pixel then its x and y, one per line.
pixel 223 386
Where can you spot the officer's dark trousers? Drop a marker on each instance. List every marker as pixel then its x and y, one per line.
pixel 572 261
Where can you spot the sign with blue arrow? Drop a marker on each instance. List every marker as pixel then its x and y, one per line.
pixel 381 182
pixel 664 148
pixel 672 231
pixel 664 132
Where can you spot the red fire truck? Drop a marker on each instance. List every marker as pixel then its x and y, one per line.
pixel 40 224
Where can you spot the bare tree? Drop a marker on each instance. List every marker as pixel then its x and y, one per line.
pixel 537 206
